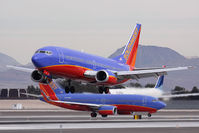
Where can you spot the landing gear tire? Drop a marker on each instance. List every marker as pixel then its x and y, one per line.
pixel 104 116
pixel 106 90
pixel 93 114
pixel 149 114
pixel 72 89
pixel 67 90
pixel 103 90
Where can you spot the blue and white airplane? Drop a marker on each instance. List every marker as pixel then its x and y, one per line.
pixel 104 104
pixel 157 91
pixel 58 62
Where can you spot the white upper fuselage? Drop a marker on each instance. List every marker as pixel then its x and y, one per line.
pixel 142 91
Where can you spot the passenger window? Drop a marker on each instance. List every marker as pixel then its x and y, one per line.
pixel 44 52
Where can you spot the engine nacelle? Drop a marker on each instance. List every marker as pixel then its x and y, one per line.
pixel 107 110
pixel 37 76
pixel 104 76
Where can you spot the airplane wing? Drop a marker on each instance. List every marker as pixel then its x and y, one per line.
pixel 24 69
pixel 77 103
pixel 92 106
pixel 33 95
pixel 179 95
pixel 137 74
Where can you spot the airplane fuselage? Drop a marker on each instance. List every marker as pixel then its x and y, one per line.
pixel 72 64
pixel 125 104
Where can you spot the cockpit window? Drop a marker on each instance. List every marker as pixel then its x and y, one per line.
pixel 154 100
pixel 45 52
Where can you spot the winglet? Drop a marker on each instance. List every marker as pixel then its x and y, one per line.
pixel 159 82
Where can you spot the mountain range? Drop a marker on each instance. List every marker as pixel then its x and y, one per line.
pixel 153 56
pixel 147 56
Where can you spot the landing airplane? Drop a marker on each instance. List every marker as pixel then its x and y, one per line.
pixel 57 62
pixel 154 92
pixel 104 104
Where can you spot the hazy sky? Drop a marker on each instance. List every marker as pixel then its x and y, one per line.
pixel 96 26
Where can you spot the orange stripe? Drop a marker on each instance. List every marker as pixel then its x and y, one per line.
pixel 65 65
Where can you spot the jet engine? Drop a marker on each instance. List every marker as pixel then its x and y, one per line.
pixel 37 76
pixel 105 76
pixel 107 110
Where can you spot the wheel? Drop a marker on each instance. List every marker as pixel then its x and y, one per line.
pixel 72 89
pixel 93 114
pixel 149 114
pixel 104 115
pixel 101 90
pixel 106 90
pixel 67 90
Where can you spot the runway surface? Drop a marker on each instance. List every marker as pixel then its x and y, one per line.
pixel 183 121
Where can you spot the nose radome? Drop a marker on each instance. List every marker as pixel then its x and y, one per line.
pixel 162 105
pixel 36 60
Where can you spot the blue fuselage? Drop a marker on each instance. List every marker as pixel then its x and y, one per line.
pixel 64 56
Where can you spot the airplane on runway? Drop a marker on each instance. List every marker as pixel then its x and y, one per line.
pixel 104 104
pixel 57 62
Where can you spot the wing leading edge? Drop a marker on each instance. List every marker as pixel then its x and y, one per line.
pixel 138 74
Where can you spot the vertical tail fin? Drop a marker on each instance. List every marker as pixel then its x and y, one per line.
pixel 159 82
pixel 51 90
pixel 130 51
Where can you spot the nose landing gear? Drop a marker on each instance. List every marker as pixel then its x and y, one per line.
pixel 69 88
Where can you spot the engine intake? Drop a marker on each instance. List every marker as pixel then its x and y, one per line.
pixel 37 76
pixel 102 76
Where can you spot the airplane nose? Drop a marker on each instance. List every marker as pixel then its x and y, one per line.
pixel 36 60
pixel 161 105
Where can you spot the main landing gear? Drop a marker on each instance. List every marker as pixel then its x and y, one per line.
pixel 102 89
pixel 93 114
pixel 149 114
pixel 69 88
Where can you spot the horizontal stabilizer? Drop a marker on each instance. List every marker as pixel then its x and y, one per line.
pixel 33 95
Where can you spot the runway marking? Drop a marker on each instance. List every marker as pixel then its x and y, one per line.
pixel 99 121
pixel 101 125
pixel 79 120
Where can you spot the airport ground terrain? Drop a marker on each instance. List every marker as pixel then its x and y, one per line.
pixel 40 117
